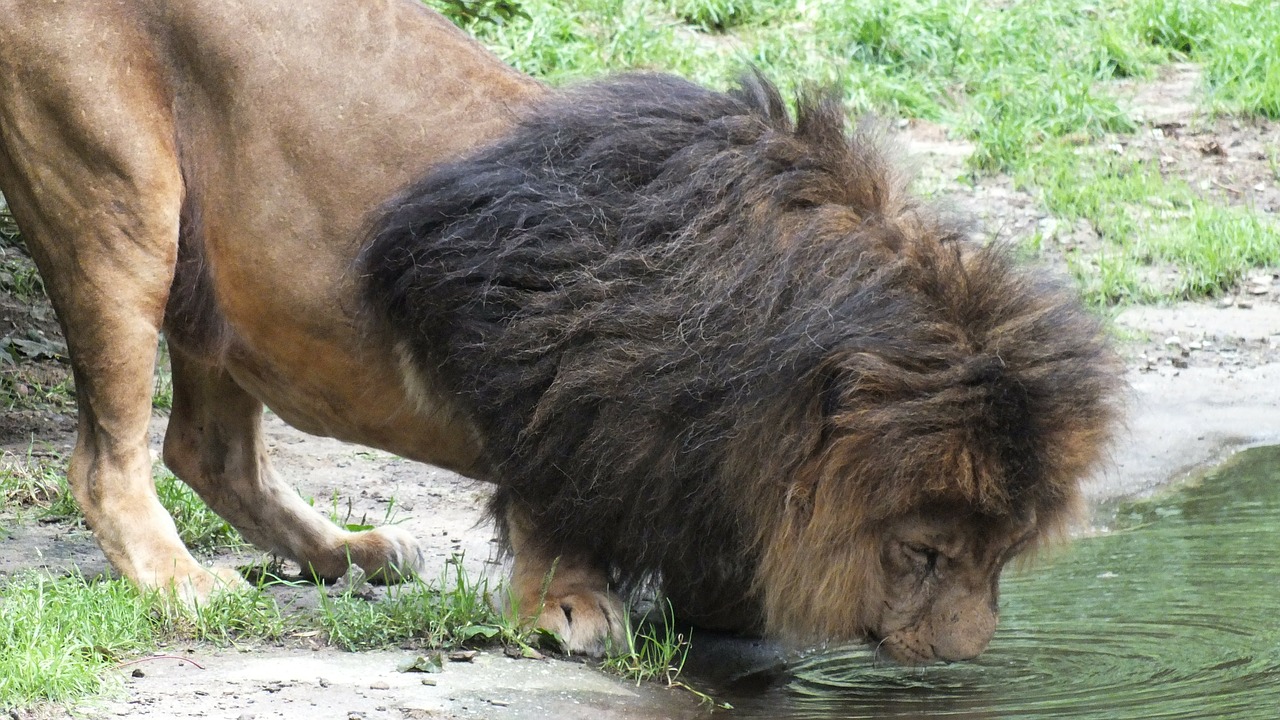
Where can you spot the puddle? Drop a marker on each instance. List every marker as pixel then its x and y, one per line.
pixel 1174 614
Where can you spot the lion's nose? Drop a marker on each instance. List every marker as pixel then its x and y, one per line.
pixel 964 634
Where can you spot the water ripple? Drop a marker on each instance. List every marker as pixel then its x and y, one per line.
pixel 1173 614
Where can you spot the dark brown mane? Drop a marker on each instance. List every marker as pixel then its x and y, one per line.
pixel 689 327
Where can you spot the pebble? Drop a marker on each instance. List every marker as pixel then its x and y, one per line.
pixel 379 685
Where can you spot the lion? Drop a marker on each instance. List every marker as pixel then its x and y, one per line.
pixel 694 341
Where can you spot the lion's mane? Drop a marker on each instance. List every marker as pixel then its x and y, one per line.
pixel 718 344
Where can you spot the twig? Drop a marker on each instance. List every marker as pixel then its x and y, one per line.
pixel 157 657
pixel 1228 188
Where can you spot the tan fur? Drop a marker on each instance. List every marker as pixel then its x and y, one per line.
pixel 204 168
pixel 266 129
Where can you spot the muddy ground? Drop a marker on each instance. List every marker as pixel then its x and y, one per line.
pixel 1204 378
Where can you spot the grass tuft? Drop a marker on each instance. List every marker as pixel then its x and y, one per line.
pixel 655 651
pixel 59 635
pixel 456 611
pixel 200 528
pixel 1161 240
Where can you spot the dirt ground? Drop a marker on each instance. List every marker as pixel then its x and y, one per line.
pixel 1204 377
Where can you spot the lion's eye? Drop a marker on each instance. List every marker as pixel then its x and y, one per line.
pixel 923 556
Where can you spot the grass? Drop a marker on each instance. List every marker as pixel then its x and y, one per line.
pixel 38 482
pixel 162 393
pixel 1020 80
pixel 656 651
pixel 1160 238
pixel 953 60
pixel 1237 42
pixel 455 611
pixel 200 528
pixel 1031 83
pixel 60 637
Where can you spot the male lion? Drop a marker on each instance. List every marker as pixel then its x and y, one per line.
pixel 690 339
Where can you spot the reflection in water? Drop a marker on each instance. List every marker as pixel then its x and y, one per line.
pixel 1175 614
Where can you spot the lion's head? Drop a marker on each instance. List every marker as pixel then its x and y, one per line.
pixel 721 348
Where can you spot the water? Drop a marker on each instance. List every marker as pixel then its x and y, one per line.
pixel 1173 614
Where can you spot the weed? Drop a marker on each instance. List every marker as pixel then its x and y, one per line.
pixel 1242 62
pixel 40 480
pixel 199 527
pixel 37 480
pixel 343 518
pixel 456 610
pixel 222 619
pixel 60 635
pixel 20 279
pixel 656 650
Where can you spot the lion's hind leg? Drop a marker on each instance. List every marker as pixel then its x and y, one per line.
pixel 565 593
pixel 90 170
pixel 214 444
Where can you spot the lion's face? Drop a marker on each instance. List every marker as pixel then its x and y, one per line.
pixel 940 581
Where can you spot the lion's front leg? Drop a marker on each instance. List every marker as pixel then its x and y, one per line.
pixel 214 444
pixel 566 592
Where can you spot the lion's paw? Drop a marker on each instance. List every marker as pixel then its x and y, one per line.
pixel 587 622
pixel 387 554
pixel 199 586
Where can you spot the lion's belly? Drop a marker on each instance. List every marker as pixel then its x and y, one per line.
pixel 325 388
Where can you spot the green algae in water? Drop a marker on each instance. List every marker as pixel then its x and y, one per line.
pixel 1173 614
